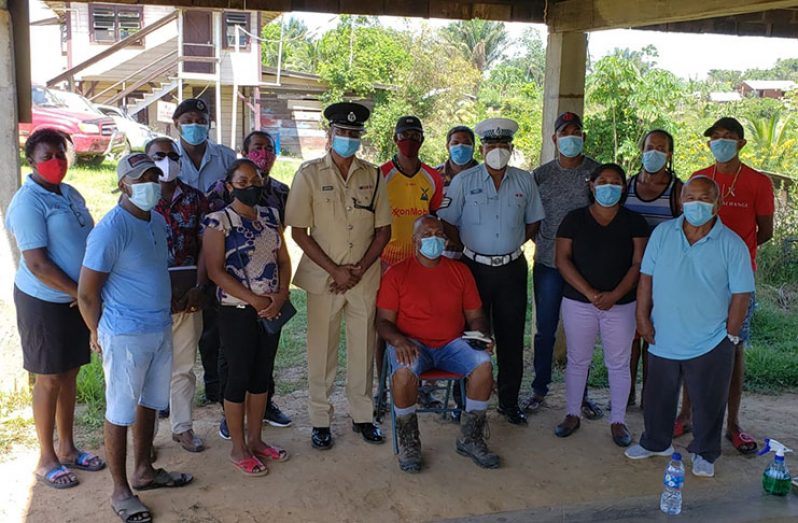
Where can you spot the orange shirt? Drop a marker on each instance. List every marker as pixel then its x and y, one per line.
pixel 743 199
pixel 430 302
pixel 410 197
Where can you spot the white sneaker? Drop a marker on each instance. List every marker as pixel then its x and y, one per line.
pixel 638 452
pixel 701 467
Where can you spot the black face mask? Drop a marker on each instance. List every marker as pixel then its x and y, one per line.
pixel 249 196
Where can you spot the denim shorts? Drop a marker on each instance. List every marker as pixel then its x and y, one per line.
pixel 457 356
pixel 745 330
pixel 138 371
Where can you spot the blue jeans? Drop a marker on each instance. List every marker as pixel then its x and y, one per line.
pixel 457 356
pixel 548 287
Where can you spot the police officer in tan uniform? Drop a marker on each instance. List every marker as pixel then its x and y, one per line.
pixel 341 218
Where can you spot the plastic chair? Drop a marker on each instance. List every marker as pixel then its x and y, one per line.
pixel 437 375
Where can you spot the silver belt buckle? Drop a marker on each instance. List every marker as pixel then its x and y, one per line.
pixel 497 261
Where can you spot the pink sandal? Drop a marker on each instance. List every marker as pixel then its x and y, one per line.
pixel 249 467
pixel 272 453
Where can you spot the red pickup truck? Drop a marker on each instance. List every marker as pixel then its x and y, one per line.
pixel 93 134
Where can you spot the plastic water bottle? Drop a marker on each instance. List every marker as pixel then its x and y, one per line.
pixel 671 500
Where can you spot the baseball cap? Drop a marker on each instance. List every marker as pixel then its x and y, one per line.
pixel 728 123
pixel 408 123
pixel 134 166
pixel 567 118
pixel 190 105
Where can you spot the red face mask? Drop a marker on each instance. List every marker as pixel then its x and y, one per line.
pixel 263 159
pixel 52 170
pixel 409 148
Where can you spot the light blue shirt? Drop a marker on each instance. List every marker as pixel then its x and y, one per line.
pixel 59 223
pixel 137 294
pixel 492 222
pixel 693 286
pixel 214 164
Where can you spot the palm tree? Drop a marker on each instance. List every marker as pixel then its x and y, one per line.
pixel 770 139
pixel 481 41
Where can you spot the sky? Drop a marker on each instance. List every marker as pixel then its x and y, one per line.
pixel 689 56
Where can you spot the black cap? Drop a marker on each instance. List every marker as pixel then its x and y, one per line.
pixel 191 105
pixel 347 115
pixel 728 123
pixel 408 123
pixel 565 119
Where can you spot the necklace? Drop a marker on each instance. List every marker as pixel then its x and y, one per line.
pixel 730 189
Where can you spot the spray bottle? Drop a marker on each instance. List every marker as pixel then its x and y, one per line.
pixel 776 479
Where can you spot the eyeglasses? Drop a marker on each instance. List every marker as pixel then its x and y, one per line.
pixel 78 214
pixel 410 135
pixel 171 155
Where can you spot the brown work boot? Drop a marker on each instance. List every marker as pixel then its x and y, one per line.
pixel 409 443
pixel 471 443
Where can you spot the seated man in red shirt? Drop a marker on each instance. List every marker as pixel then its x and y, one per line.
pixel 423 307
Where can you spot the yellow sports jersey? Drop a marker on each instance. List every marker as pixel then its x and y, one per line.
pixel 410 197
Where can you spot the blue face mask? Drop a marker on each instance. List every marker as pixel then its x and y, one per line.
pixel 145 196
pixel 570 146
pixel 432 247
pixel 698 213
pixel 608 194
pixel 461 153
pixel 194 133
pixel 345 146
pixel 654 161
pixel 723 149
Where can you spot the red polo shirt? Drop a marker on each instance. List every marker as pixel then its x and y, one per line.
pixel 751 195
pixel 429 302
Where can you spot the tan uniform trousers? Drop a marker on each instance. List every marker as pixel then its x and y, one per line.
pixel 186 332
pixel 325 312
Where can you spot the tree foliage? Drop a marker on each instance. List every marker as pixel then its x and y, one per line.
pixel 481 41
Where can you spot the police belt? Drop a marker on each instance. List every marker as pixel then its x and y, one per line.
pixel 492 261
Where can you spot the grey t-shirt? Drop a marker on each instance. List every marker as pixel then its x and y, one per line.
pixel 561 190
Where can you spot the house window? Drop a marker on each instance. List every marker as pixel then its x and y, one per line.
pixel 110 24
pixel 230 21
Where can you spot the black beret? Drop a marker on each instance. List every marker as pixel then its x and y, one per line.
pixel 191 105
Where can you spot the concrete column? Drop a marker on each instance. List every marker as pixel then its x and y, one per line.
pixel 12 376
pixel 564 84
pixel 563 90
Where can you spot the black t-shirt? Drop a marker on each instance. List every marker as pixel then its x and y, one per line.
pixel 602 254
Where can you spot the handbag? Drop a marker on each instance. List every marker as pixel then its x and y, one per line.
pixel 287 311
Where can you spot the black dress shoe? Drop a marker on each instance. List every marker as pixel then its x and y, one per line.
pixel 371 433
pixel 513 415
pixel 321 438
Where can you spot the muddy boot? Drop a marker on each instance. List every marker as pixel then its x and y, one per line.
pixel 409 443
pixel 471 442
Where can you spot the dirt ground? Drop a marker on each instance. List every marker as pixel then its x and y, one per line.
pixel 359 482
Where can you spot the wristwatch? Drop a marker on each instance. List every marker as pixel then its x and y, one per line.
pixel 734 339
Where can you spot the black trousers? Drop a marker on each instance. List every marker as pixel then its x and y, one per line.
pixel 223 369
pixel 249 352
pixel 707 378
pixel 503 291
pixel 209 348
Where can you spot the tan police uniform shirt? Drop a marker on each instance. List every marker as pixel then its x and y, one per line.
pixel 331 208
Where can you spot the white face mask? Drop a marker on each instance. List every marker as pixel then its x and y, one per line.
pixel 498 158
pixel 169 168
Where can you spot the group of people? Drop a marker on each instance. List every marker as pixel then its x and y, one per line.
pixel 410 256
